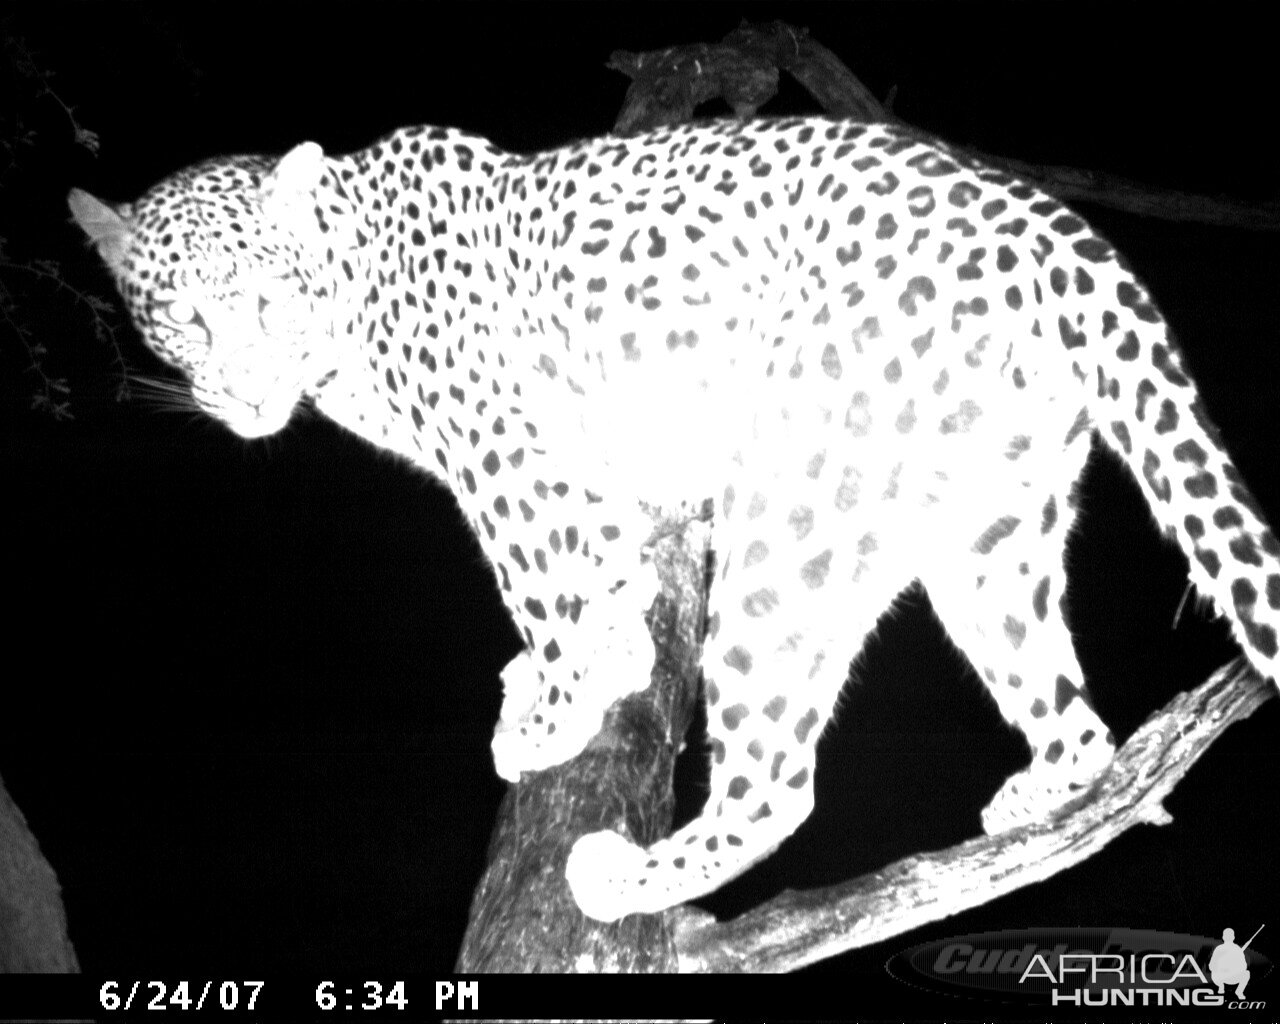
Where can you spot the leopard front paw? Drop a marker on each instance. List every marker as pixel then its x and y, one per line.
pixel 538 743
pixel 534 733
pixel 521 686
pixel 603 871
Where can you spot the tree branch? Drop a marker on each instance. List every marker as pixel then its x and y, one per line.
pixel 743 70
pixel 800 928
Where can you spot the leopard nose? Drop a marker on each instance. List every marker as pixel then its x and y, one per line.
pixel 247 380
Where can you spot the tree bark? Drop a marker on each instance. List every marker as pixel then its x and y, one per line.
pixel 523 917
pixel 33 921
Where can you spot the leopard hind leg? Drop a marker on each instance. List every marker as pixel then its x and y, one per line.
pixel 1002 603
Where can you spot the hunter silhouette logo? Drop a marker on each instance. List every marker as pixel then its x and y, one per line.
pixel 1227 965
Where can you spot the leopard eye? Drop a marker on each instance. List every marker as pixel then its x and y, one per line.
pixel 179 311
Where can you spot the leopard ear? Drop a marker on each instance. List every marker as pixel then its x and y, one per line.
pixel 299 170
pixel 107 226
pixel 289 190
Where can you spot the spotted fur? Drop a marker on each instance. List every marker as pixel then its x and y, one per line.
pixel 882 360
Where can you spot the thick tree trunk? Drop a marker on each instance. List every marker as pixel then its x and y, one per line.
pixel 523 917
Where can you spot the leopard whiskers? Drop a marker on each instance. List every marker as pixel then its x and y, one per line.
pixel 165 394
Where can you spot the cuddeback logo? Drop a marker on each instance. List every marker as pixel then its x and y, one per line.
pixel 1080 967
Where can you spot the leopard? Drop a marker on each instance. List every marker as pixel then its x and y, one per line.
pixel 880 360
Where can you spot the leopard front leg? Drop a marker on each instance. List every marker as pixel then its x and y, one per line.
pixel 575 574
pixel 788 611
